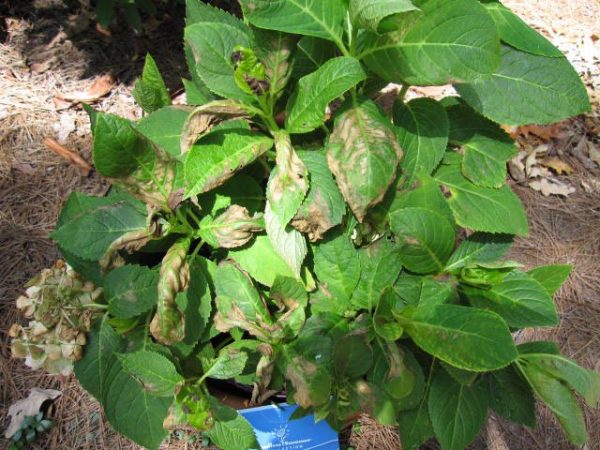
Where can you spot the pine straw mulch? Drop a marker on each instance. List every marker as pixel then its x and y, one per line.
pixel 59 43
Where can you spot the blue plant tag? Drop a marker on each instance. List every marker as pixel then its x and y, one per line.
pixel 275 431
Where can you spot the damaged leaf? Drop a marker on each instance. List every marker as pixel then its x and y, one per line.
pixel 232 228
pixel 210 163
pixel 323 207
pixel 363 155
pixel 168 324
pixel 288 183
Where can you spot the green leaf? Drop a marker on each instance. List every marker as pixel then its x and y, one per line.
pixel 90 233
pixel 104 12
pixel 163 127
pixel 381 264
pixel 324 207
pixel 196 93
pixel 150 91
pixel 231 431
pixel 322 19
pixel 511 397
pixel 288 242
pixel 482 209
pixel 154 371
pixel 415 427
pixel 486 147
pixel 383 320
pixel 229 364
pixel 422 129
pixel 457 411
pixel 481 340
pixel 539 347
pixel 363 155
pixel 288 182
pixel 337 267
pixel 518 299
pixel 479 247
pixel 128 407
pixel 306 107
pixel 207 166
pixel 126 155
pixel 425 239
pixel 131 290
pixel 585 382
pixel 378 15
pixel 352 356
pixel 100 354
pixel 557 396
pixel 196 11
pixel 425 291
pixel 212 45
pixel 527 89
pixel 242 190
pixel 261 261
pixel 76 207
pixel 196 304
pixel 134 412
pixel 551 277
pixel 424 193
pixel 451 40
pixel 312 54
pixel 461 376
pixel 518 34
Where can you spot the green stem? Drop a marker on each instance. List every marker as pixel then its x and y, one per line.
pixel 263 163
pixel 96 305
pixel 195 218
pixel 197 249
pixel 403 91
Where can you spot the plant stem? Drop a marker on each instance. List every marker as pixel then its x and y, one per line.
pixel 96 305
pixel 403 91
pixel 197 249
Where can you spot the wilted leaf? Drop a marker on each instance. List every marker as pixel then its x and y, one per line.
pixel 98 89
pixel 323 207
pixel 363 155
pixel 203 118
pixel 29 406
pixel 549 186
pixel 558 165
pixel 288 183
pixel 232 228
pixel 168 324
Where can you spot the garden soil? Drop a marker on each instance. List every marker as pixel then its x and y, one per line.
pixel 51 53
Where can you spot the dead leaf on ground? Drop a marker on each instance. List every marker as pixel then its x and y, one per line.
pixel 550 186
pixel 29 406
pixel 545 133
pixel 558 165
pixel 98 89
pixel 64 128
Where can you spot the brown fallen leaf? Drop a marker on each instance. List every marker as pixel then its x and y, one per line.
pixel 98 89
pixel 543 132
pixel 68 154
pixel 551 187
pixel 29 406
pixel 594 152
pixel 558 165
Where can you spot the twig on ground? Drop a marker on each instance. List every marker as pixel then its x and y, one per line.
pixel 68 154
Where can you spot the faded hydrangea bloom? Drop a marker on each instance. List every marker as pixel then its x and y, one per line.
pixel 56 302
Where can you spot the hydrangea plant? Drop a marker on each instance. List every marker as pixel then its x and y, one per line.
pixel 284 231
